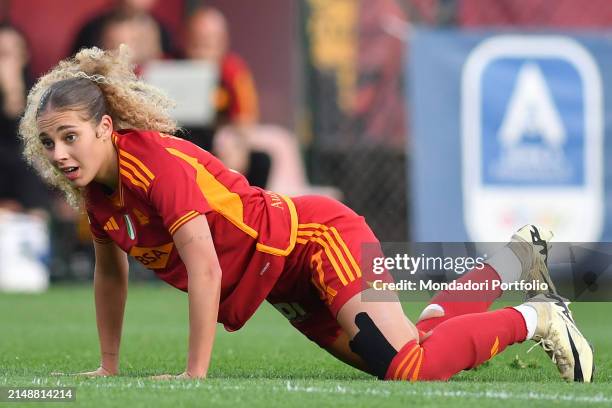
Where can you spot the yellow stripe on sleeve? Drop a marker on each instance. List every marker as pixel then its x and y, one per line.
pixel 179 219
pixel 183 222
pixel 135 171
pixel 138 163
pixel 137 183
pixel 178 223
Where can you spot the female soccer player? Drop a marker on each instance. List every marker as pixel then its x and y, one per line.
pixel 105 138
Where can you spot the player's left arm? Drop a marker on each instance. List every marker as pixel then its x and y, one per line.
pixel 194 243
pixel 177 197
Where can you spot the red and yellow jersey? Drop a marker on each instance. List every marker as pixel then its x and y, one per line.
pixel 164 182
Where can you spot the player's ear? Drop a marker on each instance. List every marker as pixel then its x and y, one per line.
pixel 105 127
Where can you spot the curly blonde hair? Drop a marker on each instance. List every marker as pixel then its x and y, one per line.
pixel 130 102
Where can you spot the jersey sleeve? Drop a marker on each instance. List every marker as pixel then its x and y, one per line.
pixel 150 169
pixel 176 195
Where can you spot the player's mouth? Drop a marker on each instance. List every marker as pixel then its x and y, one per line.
pixel 71 172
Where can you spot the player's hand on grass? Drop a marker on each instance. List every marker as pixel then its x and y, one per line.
pixel 99 372
pixel 183 376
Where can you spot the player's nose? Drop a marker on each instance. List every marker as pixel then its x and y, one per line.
pixel 60 154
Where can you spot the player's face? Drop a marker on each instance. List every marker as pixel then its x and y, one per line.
pixel 79 148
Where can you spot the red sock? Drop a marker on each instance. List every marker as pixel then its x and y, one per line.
pixel 457 303
pixel 459 343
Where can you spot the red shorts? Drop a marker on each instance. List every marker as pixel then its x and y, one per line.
pixel 323 271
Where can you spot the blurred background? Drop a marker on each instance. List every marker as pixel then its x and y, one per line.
pixel 438 120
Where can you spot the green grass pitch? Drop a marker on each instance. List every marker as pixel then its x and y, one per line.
pixel 267 363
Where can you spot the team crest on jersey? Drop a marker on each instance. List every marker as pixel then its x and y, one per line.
pixel 141 217
pixel 130 226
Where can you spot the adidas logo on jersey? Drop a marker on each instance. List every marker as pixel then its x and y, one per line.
pixel 111 225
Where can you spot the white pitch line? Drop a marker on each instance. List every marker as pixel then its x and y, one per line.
pixel 502 395
pixel 338 389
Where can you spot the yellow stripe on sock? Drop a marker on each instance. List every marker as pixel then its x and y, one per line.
pixel 415 373
pixel 495 347
pixel 401 365
pixel 411 363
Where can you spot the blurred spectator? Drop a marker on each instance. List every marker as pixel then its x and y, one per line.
pixel 378 110
pixel 207 39
pixel 24 238
pixel 140 33
pixel 90 33
pixel 19 187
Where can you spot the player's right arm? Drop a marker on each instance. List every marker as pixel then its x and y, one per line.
pixel 110 290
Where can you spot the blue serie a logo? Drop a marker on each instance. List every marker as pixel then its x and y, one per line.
pixel 532 137
pixel 532 122
pixel 530 106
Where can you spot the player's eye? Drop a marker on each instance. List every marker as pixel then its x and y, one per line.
pixel 71 138
pixel 47 143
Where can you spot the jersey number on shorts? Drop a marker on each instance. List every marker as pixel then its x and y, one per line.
pixel 290 310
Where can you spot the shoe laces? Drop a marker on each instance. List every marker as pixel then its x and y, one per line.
pixel 550 346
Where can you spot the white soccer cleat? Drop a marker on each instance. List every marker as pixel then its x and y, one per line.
pixel 558 335
pixel 531 244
